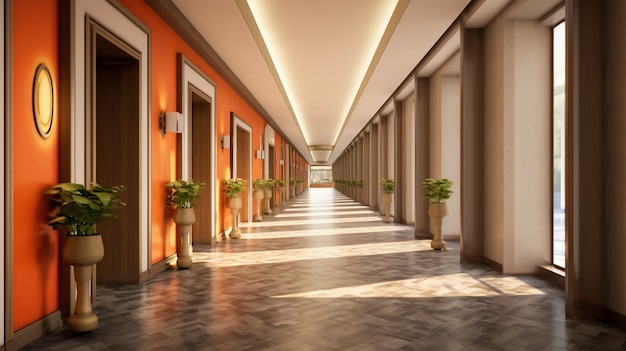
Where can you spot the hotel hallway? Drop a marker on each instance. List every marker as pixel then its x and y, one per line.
pixel 325 273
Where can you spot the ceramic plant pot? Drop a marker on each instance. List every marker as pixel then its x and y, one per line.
pixel 83 252
pixel 387 203
pixel 235 204
pixel 436 211
pixel 184 218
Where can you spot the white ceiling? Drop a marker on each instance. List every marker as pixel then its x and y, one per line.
pixel 324 80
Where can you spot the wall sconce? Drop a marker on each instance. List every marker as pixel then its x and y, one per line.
pixel 171 122
pixel 225 141
pixel 43 100
pixel 282 162
pixel 260 154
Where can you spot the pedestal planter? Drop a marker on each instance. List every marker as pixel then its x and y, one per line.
pixel 82 252
pixel 292 191
pixel 184 218
pixel 387 202
pixel 235 204
pixel 258 196
pixel 281 191
pixel 268 196
pixel 437 210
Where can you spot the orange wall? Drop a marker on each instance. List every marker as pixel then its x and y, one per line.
pixel 166 44
pixel 36 246
pixel 35 169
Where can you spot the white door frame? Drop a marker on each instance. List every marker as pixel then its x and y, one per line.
pixel 116 22
pixel 192 75
pixel 268 140
pixel 239 123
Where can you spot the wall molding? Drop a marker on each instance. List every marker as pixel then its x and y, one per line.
pixel 36 330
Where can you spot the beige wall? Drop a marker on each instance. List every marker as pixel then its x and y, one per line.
pixel 451 146
pixel 528 150
pixel 518 145
pixel 445 147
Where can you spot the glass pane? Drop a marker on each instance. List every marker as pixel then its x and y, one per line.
pixel 558 254
pixel 321 174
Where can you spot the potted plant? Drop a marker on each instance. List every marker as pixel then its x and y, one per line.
pixel 269 189
pixel 437 191
pixel 79 211
pixel 388 190
pixel 280 183
pixel 292 187
pixel 232 189
pixel 298 185
pixel 258 192
pixel 358 183
pixel 358 187
pixel 183 196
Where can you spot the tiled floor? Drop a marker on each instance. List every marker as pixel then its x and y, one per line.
pixel 324 273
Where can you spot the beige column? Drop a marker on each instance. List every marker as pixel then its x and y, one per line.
pixel 595 166
pixel 398 155
pixel 422 160
pixel 408 159
pixel 375 166
pixel 367 182
pixel 472 145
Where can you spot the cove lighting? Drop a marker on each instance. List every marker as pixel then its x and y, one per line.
pixel 321 66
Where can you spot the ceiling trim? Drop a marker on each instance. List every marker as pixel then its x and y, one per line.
pixel 554 16
pixel 246 12
pixel 398 12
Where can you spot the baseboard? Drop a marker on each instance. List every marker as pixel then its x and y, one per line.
pixel 615 318
pixel 423 234
pixel 163 265
pixel 589 311
pixel 493 264
pixel 35 331
pixel 552 274
pixel 472 259
pixel 452 237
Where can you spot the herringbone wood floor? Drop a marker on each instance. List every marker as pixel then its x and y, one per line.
pixel 325 273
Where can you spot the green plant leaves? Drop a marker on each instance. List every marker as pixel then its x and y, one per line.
pixel 183 194
pixel 437 190
pixel 388 185
pixel 234 186
pixel 80 208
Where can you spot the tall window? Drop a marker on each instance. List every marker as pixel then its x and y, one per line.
pixel 321 174
pixel 558 236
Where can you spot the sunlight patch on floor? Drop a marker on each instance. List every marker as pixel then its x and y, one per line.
pixel 315 214
pixel 447 285
pixel 311 222
pixel 234 259
pixel 296 207
pixel 324 208
pixel 326 232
